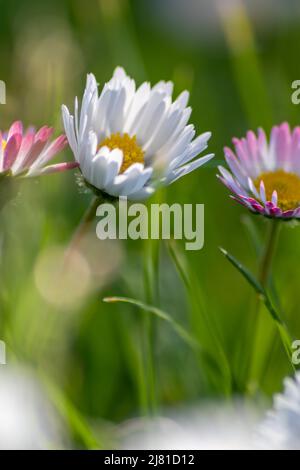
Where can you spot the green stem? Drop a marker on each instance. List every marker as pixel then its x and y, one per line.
pixel 268 254
pixel 149 362
pixel 82 228
pixel 149 328
pixel 264 278
pixel 8 188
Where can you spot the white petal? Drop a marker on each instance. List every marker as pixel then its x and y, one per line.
pixel 142 194
pixel 115 159
pixel 99 171
pixel 169 144
pixel 134 178
pixel 182 100
pixel 192 150
pixel 165 87
pixel 138 102
pixel 184 170
pixel 252 188
pixel 68 121
pixel 119 73
pixel 262 192
pixel 86 163
pixel 144 117
pixel 165 131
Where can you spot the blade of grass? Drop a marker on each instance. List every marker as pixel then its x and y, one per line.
pixel 71 415
pixel 247 69
pixel 282 328
pixel 196 299
pixel 158 313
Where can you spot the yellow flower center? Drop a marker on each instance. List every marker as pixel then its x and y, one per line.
pixel 286 184
pixel 3 144
pixel 132 152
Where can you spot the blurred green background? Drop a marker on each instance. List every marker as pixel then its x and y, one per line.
pixel 238 59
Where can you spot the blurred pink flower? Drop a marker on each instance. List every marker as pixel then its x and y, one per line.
pixel 265 176
pixel 26 153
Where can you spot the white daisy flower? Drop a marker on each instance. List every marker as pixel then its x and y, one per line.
pixel 281 428
pixel 214 426
pixel 128 141
pixel 28 420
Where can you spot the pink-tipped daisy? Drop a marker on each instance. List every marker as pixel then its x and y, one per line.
pixel 265 176
pixel 26 153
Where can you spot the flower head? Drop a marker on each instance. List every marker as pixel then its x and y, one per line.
pixel 26 153
pixel 28 419
pixel 265 177
pixel 281 428
pixel 214 426
pixel 128 141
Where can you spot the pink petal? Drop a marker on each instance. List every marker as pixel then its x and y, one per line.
pixel 33 153
pixel 59 167
pixel 242 155
pixel 43 134
pixel 254 204
pixel 252 146
pixel 282 147
pixel 11 151
pixel 54 148
pixel 26 145
pixel 295 150
pixel 15 128
pixel 262 139
pixel 273 148
pixel 1 153
pixel 235 167
pixel 272 209
pixel 288 214
pixel 241 201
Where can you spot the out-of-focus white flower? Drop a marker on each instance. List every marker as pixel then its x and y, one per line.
pixel 128 141
pixel 27 420
pixel 212 427
pixel 281 428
